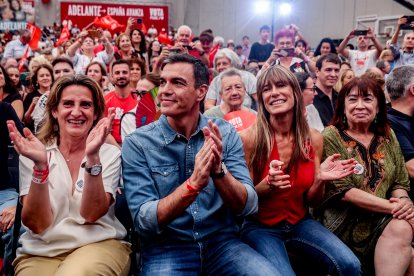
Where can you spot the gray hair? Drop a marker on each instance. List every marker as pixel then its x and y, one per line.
pixel 218 39
pixel 184 27
pixel 399 81
pixel 231 72
pixel 230 55
pixel 381 64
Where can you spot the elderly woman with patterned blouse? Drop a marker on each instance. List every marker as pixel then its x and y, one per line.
pixel 369 210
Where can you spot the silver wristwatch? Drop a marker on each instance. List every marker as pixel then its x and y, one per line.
pixel 93 170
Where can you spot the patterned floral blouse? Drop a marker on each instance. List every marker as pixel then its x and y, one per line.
pixel 384 171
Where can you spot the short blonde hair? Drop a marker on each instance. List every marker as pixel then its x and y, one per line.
pixel 40 60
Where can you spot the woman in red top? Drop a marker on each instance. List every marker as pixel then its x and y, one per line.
pixel 284 155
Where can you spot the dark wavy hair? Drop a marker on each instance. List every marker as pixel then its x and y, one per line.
pixel 142 45
pixel 325 40
pixel 9 86
pixel 364 85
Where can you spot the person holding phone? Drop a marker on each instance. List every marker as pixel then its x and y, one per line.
pixel 362 58
pixel 133 30
pixel 403 55
pixel 284 53
pixel 195 49
pixel 81 53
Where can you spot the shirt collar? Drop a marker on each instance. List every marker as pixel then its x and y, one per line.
pixel 170 134
pixel 395 112
pixel 321 94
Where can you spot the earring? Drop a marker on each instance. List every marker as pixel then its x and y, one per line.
pixel 375 120
pixel 344 120
pixel 56 128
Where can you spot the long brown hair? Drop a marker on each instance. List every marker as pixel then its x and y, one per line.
pixel 263 134
pixel 50 129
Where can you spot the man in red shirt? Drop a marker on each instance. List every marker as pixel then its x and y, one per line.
pixel 121 98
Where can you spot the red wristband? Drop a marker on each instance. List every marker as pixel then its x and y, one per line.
pixel 41 172
pixel 42 180
pixel 191 189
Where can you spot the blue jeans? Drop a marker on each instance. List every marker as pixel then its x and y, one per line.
pixel 307 239
pixel 8 198
pixel 223 254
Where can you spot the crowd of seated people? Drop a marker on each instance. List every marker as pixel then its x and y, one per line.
pixel 270 158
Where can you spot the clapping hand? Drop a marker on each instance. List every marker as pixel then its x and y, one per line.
pixel 213 133
pixel 333 168
pixel 203 163
pixel 28 146
pixel 98 134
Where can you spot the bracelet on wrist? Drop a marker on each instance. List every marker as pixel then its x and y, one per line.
pixel 44 172
pixel 191 190
pixel 40 176
pixel 40 181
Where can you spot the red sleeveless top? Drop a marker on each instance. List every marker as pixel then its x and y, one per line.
pixel 289 204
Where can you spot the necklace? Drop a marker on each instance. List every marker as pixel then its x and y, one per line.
pixel 66 159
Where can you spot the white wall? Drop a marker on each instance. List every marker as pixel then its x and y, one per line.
pixel 315 18
pixel 234 18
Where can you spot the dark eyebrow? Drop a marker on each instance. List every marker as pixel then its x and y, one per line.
pixel 179 79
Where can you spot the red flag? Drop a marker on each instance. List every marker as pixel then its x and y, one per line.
pixel 213 53
pixel 164 39
pixel 24 58
pixel 64 36
pixel 107 22
pixel 143 28
pixel 36 35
